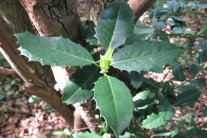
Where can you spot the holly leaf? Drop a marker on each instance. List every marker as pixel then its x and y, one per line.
pixel 56 51
pixel 202 56
pixel 155 121
pixel 79 87
pixel 88 32
pixel 144 55
pixel 114 100
pixel 178 72
pixel 200 82
pixel 143 99
pixel 166 113
pixel 88 135
pixel 136 79
pixel 114 25
pixel 188 95
pixel 173 6
pixel 194 69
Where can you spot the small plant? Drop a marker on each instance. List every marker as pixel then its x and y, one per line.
pixel 113 76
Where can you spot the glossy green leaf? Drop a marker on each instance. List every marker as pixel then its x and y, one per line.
pixel 80 85
pixel 140 32
pixel 126 135
pixel 168 91
pixel 136 79
pixel 53 50
pixel 2 94
pixel 114 101
pixel 166 106
pixel 200 82
pixel 173 6
pixel 145 55
pixel 195 5
pixel 137 131
pixel 178 72
pixel 143 30
pixel 114 25
pixel 166 113
pixel 188 95
pixel 202 56
pixel 155 121
pixel 88 135
pixel 143 99
pixel 166 134
pixel 88 32
pixel 177 31
pixel 167 88
pixel 194 69
pixel 159 25
pixel 151 85
pixel 205 111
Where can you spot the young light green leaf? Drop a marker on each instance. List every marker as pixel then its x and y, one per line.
pixel 114 25
pixel 155 121
pixel 114 100
pixel 105 61
pixel 145 55
pixel 88 135
pixel 80 85
pixel 53 50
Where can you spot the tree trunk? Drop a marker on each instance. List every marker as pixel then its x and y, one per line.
pixel 140 6
pixel 54 17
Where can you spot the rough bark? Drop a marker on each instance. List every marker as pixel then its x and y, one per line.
pixel 140 6
pixel 6 72
pixel 54 17
pixel 15 16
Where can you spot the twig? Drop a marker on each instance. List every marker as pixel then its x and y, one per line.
pixel 140 6
pixel 6 71
pixel 14 112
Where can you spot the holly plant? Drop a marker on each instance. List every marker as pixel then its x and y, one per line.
pixel 118 45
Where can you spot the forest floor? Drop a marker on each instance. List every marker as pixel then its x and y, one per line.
pixel 26 116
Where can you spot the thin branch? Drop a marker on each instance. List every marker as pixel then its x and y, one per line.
pixel 6 71
pixel 140 6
